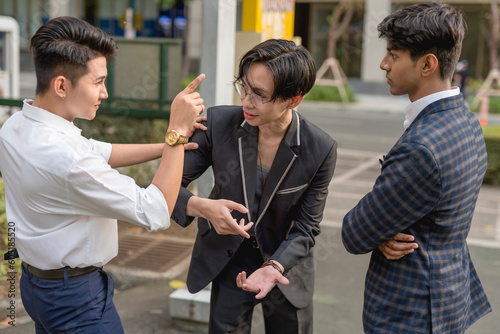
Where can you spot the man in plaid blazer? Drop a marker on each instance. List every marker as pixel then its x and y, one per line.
pixel 416 219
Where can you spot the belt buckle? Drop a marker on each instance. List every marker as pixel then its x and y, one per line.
pixel 254 242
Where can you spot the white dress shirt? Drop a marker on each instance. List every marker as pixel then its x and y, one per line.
pixel 63 196
pixel 413 109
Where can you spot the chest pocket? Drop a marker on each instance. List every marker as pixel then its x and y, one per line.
pixel 291 190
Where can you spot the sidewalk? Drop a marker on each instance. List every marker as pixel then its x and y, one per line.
pixel 376 103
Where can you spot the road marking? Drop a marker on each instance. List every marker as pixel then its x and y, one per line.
pixel 490 211
pixel 357 153
pixel 331 223
pixel 356 170
pixel 346 195
pixel 483 243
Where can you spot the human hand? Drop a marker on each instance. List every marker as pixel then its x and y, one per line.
pixel 196 125
pixel 218 212
pixel 261 281
pixel 399 246
pixel 186 108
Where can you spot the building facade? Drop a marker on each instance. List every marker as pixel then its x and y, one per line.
pixel 310 24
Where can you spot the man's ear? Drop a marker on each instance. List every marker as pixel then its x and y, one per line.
pixel 60 85
pixel 296 101
pixel 430 64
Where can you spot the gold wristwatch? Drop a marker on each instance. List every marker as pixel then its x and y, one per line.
pixel 173 138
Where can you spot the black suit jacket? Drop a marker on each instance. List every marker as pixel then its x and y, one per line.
pixel 291 206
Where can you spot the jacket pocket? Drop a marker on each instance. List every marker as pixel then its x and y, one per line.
pixel 291 190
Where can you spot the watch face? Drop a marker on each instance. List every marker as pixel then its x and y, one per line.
pixel 172 137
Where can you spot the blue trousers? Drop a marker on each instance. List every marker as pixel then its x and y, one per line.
pixel 76 305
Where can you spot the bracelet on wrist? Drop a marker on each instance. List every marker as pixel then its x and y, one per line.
pixel 275 265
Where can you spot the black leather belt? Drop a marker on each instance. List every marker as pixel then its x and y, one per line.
pixel 58 274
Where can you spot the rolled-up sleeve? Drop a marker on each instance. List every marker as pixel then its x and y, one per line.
pixel 154 207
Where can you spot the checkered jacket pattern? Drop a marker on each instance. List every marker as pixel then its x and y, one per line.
pixel 428 187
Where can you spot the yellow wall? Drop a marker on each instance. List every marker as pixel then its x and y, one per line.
pixel 272 18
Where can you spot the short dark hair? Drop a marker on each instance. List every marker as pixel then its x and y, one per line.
pixel 433 27
pixel 64 46
pixel 291 67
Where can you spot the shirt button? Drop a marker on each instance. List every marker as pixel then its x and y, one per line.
pixel 229 253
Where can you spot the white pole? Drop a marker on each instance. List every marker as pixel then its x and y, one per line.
pixel 217 62
pixel 129 23
pixel 217 51
pixel 11 28
pixel 373 47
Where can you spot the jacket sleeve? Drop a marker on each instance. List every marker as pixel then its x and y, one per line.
pixel 309 213
pixel 408 188
pixel 196 162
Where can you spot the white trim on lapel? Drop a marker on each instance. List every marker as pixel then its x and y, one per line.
pixel 298 128
pixel 243 178
pixel 275 189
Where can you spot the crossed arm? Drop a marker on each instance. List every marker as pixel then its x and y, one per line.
pixel 407 190
pixel 397 247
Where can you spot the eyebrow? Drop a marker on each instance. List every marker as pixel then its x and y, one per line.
pixel 101 78
pixel 257 90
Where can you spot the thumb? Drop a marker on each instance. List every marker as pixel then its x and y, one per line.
pixel 283 280
pixel 237 206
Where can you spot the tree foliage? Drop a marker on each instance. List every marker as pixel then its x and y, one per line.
pixel 166 4
pixel 339 21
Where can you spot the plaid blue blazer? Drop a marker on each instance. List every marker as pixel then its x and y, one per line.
pixel 428 188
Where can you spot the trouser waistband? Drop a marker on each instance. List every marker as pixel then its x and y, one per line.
pixel 58 274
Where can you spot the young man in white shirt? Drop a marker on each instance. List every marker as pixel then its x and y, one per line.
pixel 62 192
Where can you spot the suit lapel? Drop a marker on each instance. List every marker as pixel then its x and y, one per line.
pixel 285 156
pixel 247 149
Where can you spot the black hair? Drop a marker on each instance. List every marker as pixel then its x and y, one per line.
pixel 291 67
pixel 433 27
pixel 64 46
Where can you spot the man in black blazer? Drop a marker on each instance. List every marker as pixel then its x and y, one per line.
pixel 272 169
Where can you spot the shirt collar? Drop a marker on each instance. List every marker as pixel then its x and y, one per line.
pixel 413 109
pixel 292 135
pixel 51 119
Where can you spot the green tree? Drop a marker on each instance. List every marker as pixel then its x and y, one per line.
pixel 166 4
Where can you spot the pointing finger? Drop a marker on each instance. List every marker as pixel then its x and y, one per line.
pixel 193 84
